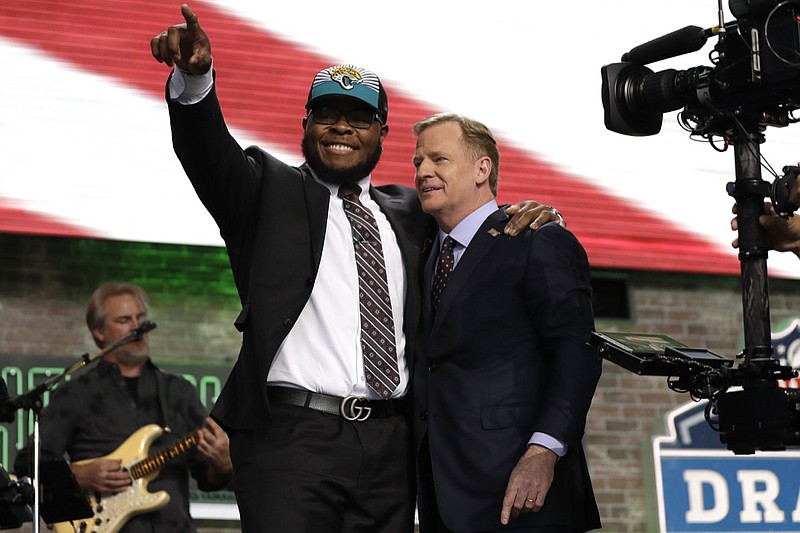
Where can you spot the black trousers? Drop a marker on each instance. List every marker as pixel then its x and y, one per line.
pixel 314 472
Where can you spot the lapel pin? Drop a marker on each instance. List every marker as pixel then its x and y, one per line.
pixel 493 232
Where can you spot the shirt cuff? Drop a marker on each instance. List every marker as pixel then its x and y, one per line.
pixel 189 89
pixel 552 444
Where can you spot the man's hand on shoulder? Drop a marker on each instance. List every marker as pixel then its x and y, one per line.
pixel 532 215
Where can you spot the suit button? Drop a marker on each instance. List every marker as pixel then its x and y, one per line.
pixel 432 367
pixel 288 323
pixel 309 282
pixel 423 415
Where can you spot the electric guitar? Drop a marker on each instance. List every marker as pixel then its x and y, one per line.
pixel 112 511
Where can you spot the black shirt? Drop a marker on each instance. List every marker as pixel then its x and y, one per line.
pixel 94 413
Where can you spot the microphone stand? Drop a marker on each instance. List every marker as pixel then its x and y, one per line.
pixel 32 401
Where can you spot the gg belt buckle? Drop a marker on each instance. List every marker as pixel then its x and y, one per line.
pixel 353 409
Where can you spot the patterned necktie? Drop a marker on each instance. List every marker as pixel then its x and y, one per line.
pixel 377 323
pixel 443 271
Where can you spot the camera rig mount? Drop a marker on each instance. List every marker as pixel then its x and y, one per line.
pixel 754 83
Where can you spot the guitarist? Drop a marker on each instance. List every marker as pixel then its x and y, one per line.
pixel 93 414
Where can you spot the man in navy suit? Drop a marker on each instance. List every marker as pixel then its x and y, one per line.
pixel 316 445
pixel 503 375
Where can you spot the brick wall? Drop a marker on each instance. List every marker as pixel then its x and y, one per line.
pixel 45 282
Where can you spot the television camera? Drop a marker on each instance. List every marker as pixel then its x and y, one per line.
pixel 753 83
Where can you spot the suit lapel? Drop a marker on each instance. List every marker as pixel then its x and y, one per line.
pixel 317 197
pixel 395 211
pixel 427 283
pixel 482 242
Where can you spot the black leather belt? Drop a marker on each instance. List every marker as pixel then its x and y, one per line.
pixel 353 408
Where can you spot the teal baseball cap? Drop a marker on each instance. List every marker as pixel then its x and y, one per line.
pixel 353 82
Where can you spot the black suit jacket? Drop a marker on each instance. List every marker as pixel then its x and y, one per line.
pixel 273 218
pixel 506 356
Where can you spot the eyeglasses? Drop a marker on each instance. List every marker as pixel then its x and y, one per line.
pixel 357 118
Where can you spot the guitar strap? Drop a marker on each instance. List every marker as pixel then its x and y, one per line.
pixel 161 383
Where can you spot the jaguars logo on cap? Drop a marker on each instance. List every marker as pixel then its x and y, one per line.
pixel 348 76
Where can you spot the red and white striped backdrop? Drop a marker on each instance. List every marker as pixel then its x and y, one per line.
pixel 85 145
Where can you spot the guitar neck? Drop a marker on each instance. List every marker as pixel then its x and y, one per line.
pixel 156 461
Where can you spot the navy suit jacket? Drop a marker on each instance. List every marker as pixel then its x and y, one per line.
pixel 273 218
pixel 507 355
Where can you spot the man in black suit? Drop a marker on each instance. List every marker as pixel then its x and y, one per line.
pixel 320 436
pixel 503 375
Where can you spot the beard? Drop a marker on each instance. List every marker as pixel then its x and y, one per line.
pixel 339 175
pixel 133 353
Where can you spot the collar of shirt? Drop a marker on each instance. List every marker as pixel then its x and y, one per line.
pixel 364 183
pixel 467 228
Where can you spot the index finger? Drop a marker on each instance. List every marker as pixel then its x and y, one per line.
pixel 190 18
pixel 508 502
